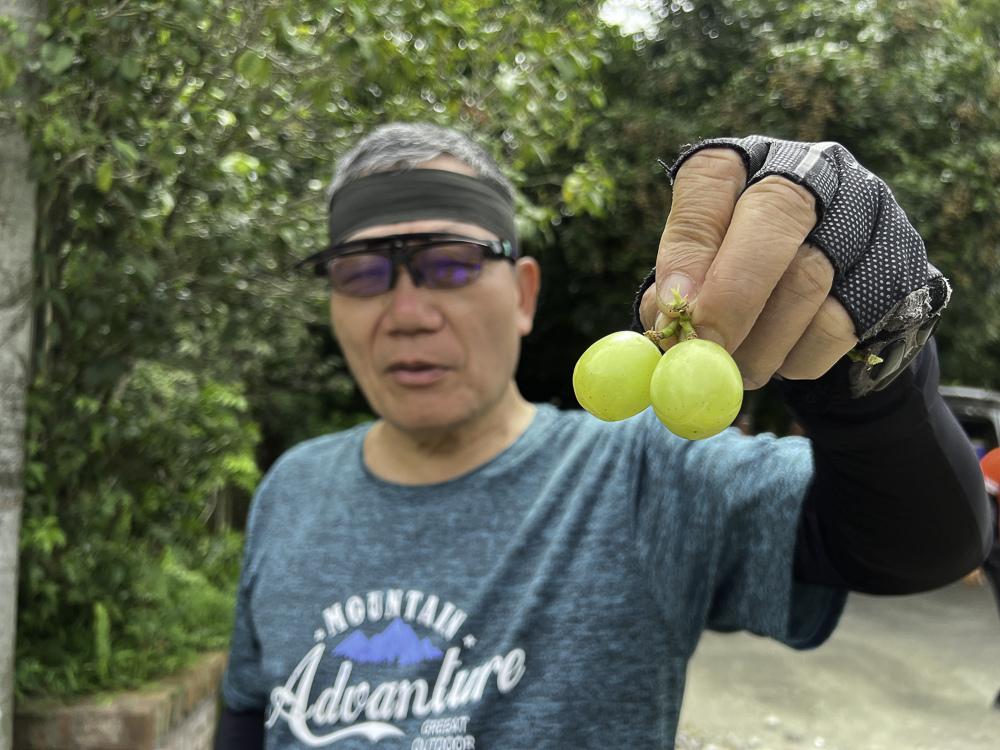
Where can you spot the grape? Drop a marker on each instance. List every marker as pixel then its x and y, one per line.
pixel 611 378
pixel 696 389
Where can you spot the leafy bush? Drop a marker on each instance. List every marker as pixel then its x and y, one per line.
pixel 165 612
pixel 180 152
pixel 121 580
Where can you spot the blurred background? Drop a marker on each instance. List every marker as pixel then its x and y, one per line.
pixel 181 151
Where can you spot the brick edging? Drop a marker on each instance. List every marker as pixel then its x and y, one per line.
pixel 137 720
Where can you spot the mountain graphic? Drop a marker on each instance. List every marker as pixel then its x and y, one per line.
pixel 396 644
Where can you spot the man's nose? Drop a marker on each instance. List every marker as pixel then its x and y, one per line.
pixel 412 308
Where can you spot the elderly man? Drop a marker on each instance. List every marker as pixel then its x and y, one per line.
pixel 476 571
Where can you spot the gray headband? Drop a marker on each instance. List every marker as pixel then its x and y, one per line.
pixel 409 195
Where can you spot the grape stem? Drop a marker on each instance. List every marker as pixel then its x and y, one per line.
pixel 680 326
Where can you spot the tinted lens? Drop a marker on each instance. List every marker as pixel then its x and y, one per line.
pixel 361 275
pixel 448 265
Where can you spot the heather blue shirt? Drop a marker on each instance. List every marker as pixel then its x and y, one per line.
pixel 550 598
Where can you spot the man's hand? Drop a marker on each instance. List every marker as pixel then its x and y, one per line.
pixel 753 283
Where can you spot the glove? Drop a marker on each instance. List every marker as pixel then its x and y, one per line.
pixel 882 277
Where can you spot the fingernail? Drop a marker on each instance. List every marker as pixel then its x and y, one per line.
pixel 679 281
pixel 662 321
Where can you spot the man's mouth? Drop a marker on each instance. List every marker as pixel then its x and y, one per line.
pixel 417 373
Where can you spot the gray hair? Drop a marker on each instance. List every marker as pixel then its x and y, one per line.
pixel 399 146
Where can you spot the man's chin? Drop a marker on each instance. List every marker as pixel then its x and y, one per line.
pixel 419 425
pixel 440 413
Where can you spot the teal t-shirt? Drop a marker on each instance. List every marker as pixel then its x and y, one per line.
pixel 550 598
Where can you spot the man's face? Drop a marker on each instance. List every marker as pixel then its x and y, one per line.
pixel 431 360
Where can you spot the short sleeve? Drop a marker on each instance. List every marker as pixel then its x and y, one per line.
pixel 716 524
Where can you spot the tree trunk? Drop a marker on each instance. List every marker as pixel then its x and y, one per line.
pixel 17 236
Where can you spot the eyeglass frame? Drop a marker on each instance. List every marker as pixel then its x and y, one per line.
pixel 400 250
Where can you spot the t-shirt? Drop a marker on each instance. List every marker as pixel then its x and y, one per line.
pixel 550 598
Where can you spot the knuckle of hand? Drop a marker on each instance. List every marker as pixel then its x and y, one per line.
pixel 811 273
pixel 696 223
pixel 741 288
pixel 834 322
pixel 834 342
pixel 780 198
pixel 716 163
pixel 822 356
pixel 829 337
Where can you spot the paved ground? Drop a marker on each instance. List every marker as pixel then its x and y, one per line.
pixel 902 673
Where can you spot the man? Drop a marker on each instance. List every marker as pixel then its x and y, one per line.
pixel 475 571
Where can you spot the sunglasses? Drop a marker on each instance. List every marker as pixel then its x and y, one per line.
pixel 369 267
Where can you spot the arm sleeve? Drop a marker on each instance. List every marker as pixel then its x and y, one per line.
pixel 897 504
pixel 243 730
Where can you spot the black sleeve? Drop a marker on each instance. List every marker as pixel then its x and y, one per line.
pixel 898 503
pixel 242 730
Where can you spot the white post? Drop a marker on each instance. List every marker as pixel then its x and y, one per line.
pixel 17 237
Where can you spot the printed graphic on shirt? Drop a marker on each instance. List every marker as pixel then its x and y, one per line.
pixel 402 627
pixel 397 643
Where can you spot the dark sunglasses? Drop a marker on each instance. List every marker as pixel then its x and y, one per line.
pixel 366 268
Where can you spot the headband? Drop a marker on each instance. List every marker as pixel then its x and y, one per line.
pixel 409 195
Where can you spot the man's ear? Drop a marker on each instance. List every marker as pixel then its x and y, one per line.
pixel 528 276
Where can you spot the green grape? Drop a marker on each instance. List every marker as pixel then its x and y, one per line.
pixel 696 389
pixel 611 378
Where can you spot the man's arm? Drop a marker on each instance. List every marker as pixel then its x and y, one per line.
pixel 790 255
pixel 897 504
pixel 240 730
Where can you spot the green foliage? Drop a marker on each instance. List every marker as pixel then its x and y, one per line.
pixel 116 562
pixel 911 88
pixel 181 152
pixel 169 608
